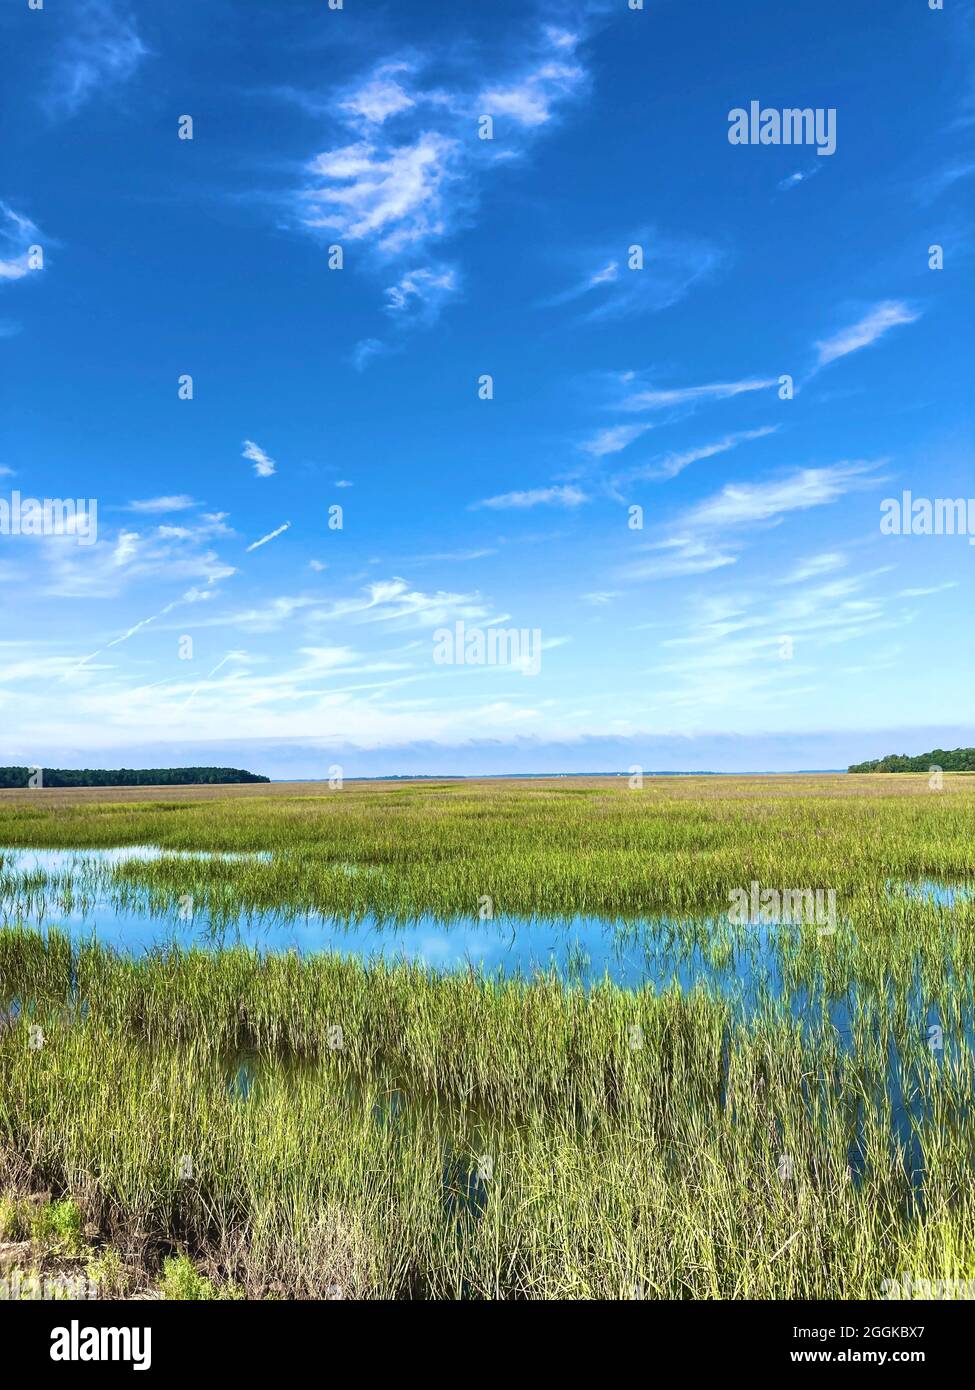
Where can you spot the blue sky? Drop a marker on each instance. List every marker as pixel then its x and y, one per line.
pixel 758 619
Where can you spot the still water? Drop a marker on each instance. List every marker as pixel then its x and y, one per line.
pixel 74 891
pixel 740 960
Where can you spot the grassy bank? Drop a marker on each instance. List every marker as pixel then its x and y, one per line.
pixel 461 1138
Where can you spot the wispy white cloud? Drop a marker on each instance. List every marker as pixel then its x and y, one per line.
pixel 562 495
pixel 937 183
pixel 393 601
pixel 367 349
pixel 613 439
pixel 267 616
pixel 532 98
pixel 101 50
pixel 607 276
pixel 748 504
pixel 419 295
pixel 393 194
pixel 676 556
pixel 407 167
pixel 330 692
pixel 119 561
pixel 813 567
pixel 664 398
pixel 923 593
pixel 389 602
pixel 380 97
pixel 264 467
pixel 757 648
pixel 615 290
pixel 416 299
pixel 703 537
pixel 177 503
pixel 673 463
pixel 880 320
pixel 17 234
pixel 800 176
pixel 206 526
pixel 454 556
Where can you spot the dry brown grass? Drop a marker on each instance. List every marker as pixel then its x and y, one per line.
pixel 678 788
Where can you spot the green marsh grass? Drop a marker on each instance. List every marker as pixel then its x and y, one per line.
pixel 476 1137
pixel 723 1157
pixel 536 848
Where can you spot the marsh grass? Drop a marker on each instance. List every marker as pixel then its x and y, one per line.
pixel 477 1137
pixel 722 1157
pixel 676 847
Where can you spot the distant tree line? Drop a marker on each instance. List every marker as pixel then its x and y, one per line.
pixel 948 759
pixel 125 776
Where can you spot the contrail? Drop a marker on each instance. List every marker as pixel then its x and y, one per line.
pixel 208 675
pixel 264 539
pixel 144 622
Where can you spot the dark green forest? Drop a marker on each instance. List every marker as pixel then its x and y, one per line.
pixel 126 776
pixel 948 759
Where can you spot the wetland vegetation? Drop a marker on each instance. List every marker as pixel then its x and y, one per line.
pixel 789 1115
